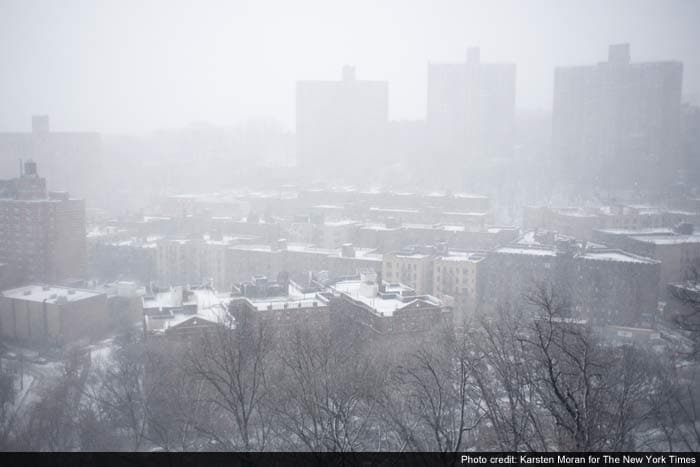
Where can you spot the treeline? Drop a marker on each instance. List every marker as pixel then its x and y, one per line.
pixel 529 378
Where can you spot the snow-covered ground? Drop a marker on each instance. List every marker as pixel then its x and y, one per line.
pixel 36 369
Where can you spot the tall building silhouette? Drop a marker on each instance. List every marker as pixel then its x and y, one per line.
pixel 341 124
pixel 616 124
pixel 471 111
pixel 71 160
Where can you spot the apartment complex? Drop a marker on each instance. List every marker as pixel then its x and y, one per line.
pixel 42 234
pixel 616 124
pixel 471 111
pixel 341 121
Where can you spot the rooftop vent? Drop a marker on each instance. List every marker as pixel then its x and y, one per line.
pixel 27 292
pixel 684 228
pixel 347 250
pixel 46 288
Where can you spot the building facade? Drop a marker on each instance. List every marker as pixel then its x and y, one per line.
pixel 471 111
pixel 52 315
pixel 341 124
pixel 42 234
pixel 616 124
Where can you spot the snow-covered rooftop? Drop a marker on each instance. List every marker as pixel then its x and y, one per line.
pixel 667 239
pixel 281 303
pixel 49 293
pixel 386 305
pixel 512 250
pixel 340 223
pixel 211 306
pixel 463 256
pixel 616 255
pixel 643 231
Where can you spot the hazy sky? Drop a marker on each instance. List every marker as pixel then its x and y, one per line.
pixel 124 65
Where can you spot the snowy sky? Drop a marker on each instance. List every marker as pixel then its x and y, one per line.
pixel 134 65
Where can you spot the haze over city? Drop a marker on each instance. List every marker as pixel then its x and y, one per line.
pixel 139 66
pixel 365 233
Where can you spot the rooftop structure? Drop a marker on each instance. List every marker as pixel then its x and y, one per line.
pixel 393 298
pixel 181 311
pixel 369 304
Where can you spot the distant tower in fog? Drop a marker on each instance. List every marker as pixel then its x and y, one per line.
pixel 471 110
pixel 71 160
pixel 341 124
pixel 616 124
pixel 40 124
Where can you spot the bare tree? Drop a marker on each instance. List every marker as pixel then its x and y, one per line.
pixel 433 404
pixel 232 365
pixel 327 399
pixel 177 405
pixel 675 407
pixel 594 392
pixel 121 394
pixel 687 298
pixel 503 377
pixel 52 422
pixel 9 407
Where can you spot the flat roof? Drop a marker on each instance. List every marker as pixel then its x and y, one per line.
pixel 409 255
pixel 251 247
pixel 49 293
pixel 616 256
pixel 667 239
pixel 390 210
pixel 526 251
pixel 470 196
pixel 462 256
pixel 379 227
pixel 643 231
pixel 385 306
pixel 360 253
pixel 465 214
pixel 211 306
pixel 281 303
pixel 340 223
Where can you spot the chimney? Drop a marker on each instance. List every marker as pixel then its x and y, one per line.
pixel 348 73
pixel 619 54
pixel 347 250
pixel 40 124
pixel 30 168
pixel 684 228
pixel 283 281
pixel 473 56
